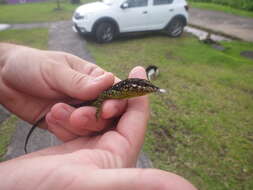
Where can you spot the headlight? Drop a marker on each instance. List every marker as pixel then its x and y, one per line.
pixel 78 16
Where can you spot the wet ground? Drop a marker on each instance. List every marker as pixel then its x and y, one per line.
pixel 231 25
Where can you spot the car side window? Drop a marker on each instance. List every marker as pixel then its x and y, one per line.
pixel 137 3
pixel 162 2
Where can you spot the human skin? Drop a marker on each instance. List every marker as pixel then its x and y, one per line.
pixel 33 83
pixel 100 162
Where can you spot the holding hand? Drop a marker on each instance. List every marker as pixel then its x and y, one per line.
pixel 32 81
pixel 94 163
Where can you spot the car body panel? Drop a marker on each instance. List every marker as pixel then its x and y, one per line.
pixel 132 19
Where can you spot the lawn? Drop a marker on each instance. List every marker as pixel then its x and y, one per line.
pixel 226 9
pixel 37 38
pixel 45 12
pixel 202 129
pixel 7 128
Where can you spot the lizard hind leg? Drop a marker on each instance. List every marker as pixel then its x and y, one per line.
pixel 98 104
pixel 98 113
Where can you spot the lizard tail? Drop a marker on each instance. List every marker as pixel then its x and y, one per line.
pixel 30 132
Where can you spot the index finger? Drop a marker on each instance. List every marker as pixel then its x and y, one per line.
pixel 132 124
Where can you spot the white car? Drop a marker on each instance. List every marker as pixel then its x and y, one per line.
pixel 108 18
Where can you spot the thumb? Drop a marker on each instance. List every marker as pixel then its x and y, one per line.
pixel 78 85
pixel 134 179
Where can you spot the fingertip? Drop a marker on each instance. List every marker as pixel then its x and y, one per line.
pixel 106 77
pixel 61 111
pixel 79 118
pixel 49 119
pixel 97 85
pixel 84 119
pixel 138 72
pixel 60 132
pixel 139 103
pixel 113 108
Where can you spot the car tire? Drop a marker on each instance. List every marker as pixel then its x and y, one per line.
pixel 105 32
pixel 176 27
pixel 79 31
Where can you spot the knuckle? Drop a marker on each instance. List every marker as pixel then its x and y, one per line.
pixel 79 80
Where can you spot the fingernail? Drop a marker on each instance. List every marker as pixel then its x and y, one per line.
pixel 85 119
pixel 51 120
pixel 111 112
pixel 62 114
pixel 102 77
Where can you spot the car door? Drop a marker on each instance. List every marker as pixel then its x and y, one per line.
pixel 134 17
pixel 160 13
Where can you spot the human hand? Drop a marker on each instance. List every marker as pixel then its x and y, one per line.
pixel 32 81
pixel 94 163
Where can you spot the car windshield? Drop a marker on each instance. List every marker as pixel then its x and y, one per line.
pixel 108 2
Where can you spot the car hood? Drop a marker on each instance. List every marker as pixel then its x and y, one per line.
pixel 91 7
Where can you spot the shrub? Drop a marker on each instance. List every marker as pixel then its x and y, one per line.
pixel 2 1
pixel 240 4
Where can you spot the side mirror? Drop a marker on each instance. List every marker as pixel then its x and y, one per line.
pixel 124 5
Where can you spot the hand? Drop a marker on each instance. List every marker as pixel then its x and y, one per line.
pixel 32 81
pixel 94 163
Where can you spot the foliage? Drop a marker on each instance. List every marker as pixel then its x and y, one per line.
pixel 202 129
pixel 2 2
pixel 37 12
pixel 6 130
pixel 37 38
pixel 239 4
pixel 226 9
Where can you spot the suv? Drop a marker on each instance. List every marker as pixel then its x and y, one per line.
pixel 108 18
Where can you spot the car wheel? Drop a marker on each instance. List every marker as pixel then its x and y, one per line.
pixel 175 28
pixel 105 32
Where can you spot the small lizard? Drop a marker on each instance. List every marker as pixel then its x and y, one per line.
pixel 125 89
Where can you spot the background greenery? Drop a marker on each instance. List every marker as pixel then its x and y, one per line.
pixel 201 129
pixel 37 12
pixel 223 8
pixel 46 11
pixel 239 4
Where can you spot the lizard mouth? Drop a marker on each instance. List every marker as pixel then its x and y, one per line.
pixel 162 90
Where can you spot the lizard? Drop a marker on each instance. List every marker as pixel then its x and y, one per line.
pixel 125 89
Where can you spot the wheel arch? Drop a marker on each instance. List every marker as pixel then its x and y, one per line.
pixel 105 19
pixel 182 17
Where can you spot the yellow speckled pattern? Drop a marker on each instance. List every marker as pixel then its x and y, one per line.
pixel 128 88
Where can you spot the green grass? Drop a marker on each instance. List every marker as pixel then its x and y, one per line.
pixel 36 12
pixel 226 9
pixel 37 38
pixel 202 129
pixel 6 130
